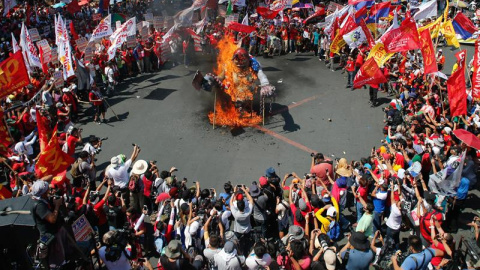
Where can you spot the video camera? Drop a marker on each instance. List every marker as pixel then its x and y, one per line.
pixel 121 238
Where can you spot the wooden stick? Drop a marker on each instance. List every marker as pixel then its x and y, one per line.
pixel 214 109
pixel 263 111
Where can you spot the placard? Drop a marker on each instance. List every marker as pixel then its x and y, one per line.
pixel 81 44
pixel 118 24
pixel 139 26
pixel 158 22
pixel 46 30
pixel 89 50
pixel 131 41
pixel 34 34
pixel 42 43
pixel 58 77
pixel 54 56
pixel 82 229
pixel 97 17
pixel 144 33
pixel 148 17
pixel 231 18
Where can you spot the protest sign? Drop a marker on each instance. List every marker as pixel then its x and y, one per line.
pixel 89 51
pixel 34 34
pixel 131 41
pixel 58 79
pixel 82 231
pixel 81 44
pixel 157 22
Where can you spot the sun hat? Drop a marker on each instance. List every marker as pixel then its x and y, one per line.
pixel 330 259
pixel 294 232
pixel 229 247
pixel 270 172
pixel 115 161
pixel 254 191
pixel 342 168
pixel 39 188
pixel 173 249
pixel 359 241
pixel 140 167
pixel 332 212
pixel 302 205
pixel 263 181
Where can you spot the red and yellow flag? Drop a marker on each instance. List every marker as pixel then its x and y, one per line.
pixel 476 72
pixel 52 160
pixel 13 74
pixel 44 131
pixel 428 52
pixel 369 73
pixel 5 139
pixel 457 95
pixel 379 53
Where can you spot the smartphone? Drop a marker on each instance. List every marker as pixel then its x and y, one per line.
pixel 141 260
pixel 239 186
pixel 145 208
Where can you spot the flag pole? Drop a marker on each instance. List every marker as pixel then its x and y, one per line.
pixel 214 109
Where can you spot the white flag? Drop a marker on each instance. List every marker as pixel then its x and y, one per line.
pixel 355 38
pixel 15 46
pixel 27 46
pixel 184 17
pixel 65 58
pixel 446 181
pixel 245 19
pixel 120 36
pixel 425 10
pixel 103 29
pixel 7 5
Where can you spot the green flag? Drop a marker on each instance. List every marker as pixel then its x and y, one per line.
pixel 229 8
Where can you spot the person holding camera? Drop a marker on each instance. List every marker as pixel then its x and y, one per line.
pixel 176 258
pixel 118 171
pixel 115 254
pixel 242 212
pixel 356 254
pixel 258 258
pixel 324 255
pixel 93 146
pixel 320 167
pixel 419 259
pixel 55 245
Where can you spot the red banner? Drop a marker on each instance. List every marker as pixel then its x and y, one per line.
pixel 13 74
pixel 267 13
pixel 5 140
pixel 402 39
pixel 369 73
pixel 368 34
pixel 457 94
pixel 319 12
pixel 44 131
pixel 241 27
pixel 52 161
pixel 428 52
pixel 476 72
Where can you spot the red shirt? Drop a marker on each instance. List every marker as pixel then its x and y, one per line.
pixel 98 210
pixel 69 99
pixel 350 66
pixel 92 96
pixel 72 142
pixel 359 60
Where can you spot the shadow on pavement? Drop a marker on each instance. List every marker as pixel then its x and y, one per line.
pixel 159 94
pixel 289 123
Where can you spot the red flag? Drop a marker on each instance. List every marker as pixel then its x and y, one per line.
pixel 476 72
pixel 348 26
pixel 368 34
pixel 267 13
pixel 354 2
pixel 381 9
pixel 52 161
pixel 241 27
pixel 44 65
pixel 369 73
pixel 457 90
pixel 403 38
pixel 13 74
pixel 5 193
pixel 335 28
pixel 428 52
pixel 44 131
pixel 72 30
pixel 73 7
pixel 319 12
pixel 5 139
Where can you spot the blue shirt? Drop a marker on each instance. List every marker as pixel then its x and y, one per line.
pixel 378 203
pixel 462 189
pixel 359 260
pixel 316 36
pixel 422 260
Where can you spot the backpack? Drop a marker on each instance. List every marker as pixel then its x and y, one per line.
pixel 75 170
pixel 286 220
pixel 334 230
pixel 133 184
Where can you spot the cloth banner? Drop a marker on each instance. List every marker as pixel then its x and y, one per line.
pixel 369 73
pixel 433 28
pixel 449 34
pixel 444 183
pixel 241 27
pixel 476 72
pixel 120 36
pixel 5 139
pixel 425 10
pixel 380 55
pixel 402 39
pixel 457 95
pixel 65 58
pixel 27 46
pixel 103 29
pixel 355 38
pixel 268 13
pixel 463 26
pixel 52 160
pixel 428 52
pixel 13 74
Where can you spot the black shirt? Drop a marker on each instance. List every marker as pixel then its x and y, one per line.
pixel 179 264
pixel 40 210
pixel 115 216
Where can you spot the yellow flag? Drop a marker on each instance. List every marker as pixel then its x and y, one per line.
pixel 445 12
pixel 337 43
pixel 433 27
pixel 379 54
pixel 449 33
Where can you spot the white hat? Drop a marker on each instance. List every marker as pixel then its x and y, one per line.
pixel 140 167
pixel 332 212
pixel 447 130
pixel 330 259
pixel 115 161
pixel 66 90
pixel 401 173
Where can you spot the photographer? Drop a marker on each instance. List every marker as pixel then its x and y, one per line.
pixel 115 254
pixel 419 259
pixel 55 245
pixel 321 166
pixel 324 256
pixel 93 147
pixel 242 212
pixel 118 170
pixel 356 254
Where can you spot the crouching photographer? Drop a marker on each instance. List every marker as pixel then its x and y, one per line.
pixel 115 254
pixel 324 254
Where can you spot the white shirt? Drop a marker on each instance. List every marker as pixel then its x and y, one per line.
pixel 121 264
pixel 252 262
pixel 120 174
pixel 395 219
pixel 25 146
pixel 90 149
pixel 109 73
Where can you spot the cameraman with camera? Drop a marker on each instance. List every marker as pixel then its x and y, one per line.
pixel 55 244
pixel 115 254
pixel 419 259
pixel 324 256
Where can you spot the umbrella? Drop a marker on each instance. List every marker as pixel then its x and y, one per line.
pixel 467 138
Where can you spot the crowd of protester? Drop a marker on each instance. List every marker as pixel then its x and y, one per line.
pixel 275 222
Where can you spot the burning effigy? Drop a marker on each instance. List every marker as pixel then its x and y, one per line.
pixel 234 81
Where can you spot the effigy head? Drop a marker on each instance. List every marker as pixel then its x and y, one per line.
pixel 241 58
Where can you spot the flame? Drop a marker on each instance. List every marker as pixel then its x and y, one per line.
pixel 237 85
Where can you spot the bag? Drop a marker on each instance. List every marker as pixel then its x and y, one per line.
pixel 75 170
pixel 334 231
pixel 133 184
pixel 286 220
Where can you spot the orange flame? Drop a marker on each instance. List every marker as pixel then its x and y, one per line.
pixel 237 85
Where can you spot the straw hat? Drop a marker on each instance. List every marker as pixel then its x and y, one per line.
pixel 342 168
